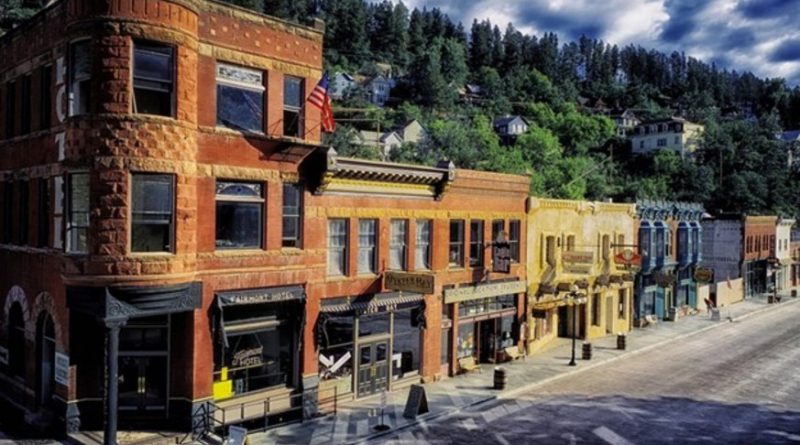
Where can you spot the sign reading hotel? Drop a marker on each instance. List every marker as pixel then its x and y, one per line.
pixel 420 283
pixel 466 293
pixel 62 369
pixel 577 262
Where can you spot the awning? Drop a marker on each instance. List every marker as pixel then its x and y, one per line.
pixel 241 326
pixel 375 303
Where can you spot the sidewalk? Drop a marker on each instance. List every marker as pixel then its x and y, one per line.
pixel 356 420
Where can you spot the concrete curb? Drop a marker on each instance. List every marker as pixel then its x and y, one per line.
pixel 513 392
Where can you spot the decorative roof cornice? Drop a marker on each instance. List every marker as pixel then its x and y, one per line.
pixel 661 210
pixel 353 170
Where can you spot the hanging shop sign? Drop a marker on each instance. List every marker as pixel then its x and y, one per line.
pixel 265 295
pixel 466 293
pixel 62 369
pixel 577 261
pixel 501 257
pixel 704 274
pixel 421 283
pixel 628 258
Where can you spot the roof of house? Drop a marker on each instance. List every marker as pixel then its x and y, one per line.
pixel 505 120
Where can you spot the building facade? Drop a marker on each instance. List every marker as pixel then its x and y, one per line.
pixel 759 251
pixel 575 249
pixel 669 239
pixel 674 134
pixel 723 253
pixel 782 266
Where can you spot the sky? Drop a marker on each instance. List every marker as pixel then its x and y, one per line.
pixel 762 36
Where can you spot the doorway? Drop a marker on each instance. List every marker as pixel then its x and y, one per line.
pixel 144 370
pixel 609 315
pixel 46 351
pixel 373 367
pixel 486 334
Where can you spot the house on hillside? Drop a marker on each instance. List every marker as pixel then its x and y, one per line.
pixel 386 141
pixel 673 133
pixel 470 93
pixel 378 89
pixel 509 127
pixel 791 139
pixel 341 83
pixel 412 131
pixel 624 120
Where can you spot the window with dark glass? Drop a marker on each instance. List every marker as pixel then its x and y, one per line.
pixel 43 213
pixel 397 244
pixel 367 246
pixel 153 206
pixel 422 256
pixel 153 78
pixel 475 243
pixel 596 310
pixel 45 96
pixel 292 106
pixel 11 109
pixel 80 72
pixel 8 211
pixel 550 251
pixel 373 324
pixel 240 98
pixel 623 303
pixel 498 227
pixel 77 212
pixel 513 239
pixel 16 341
pixel 25 105
pixel 337 247
pixel 240 210
pixel 336 351
pixel 292 214
pixel 660 241
pixel 456 251
pixel 406 344
pixel 22 226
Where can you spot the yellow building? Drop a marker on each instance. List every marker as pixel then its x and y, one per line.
pixel 676 134
pixel 573 249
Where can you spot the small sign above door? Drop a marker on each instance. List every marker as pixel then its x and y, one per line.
pixel 421 283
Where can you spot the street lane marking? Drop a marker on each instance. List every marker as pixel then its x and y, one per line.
pixel 610 436
pixel 501 439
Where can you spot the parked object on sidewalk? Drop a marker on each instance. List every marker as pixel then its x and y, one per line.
pixel 500 378
pixel 715 314
pixel 587 351
pixel 622 340
pixel 468 364
pixel 513 352
pixel 417 402
pixel 673 313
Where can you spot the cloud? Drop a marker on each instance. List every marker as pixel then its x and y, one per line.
pixel 761 36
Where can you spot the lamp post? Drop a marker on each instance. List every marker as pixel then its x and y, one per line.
pixel 574 299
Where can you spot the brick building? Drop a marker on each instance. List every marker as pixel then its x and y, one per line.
pixel 759 247
pixel 169 220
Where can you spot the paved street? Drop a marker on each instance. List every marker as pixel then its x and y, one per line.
pixel 735 384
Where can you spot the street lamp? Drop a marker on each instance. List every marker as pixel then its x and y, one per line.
pixel 574 299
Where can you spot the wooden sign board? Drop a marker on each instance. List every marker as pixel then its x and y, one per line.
pixel 421 283
pixel 417 402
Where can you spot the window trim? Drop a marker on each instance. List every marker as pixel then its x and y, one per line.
pixel 478 243
pixel 252 87
pixel 292 108
pixel 515 240
pixel 373 266
pixel 241 199
pixel 403 247
pixel 428 257
pixel 298 241
pixel 345 269
pixel 459 243
pixel 68 220
pixel 172 82
pixel 73 80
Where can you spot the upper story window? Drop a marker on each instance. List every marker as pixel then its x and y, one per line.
pixel 22 225
pixel 662 142
pixel 514 238
pixel 456 251
pixel 240 98
pixel 240 210
pixel 337 247
pixel 498 227
pixel 45 96
pixel 292 105
pixel 8 211
pixel 153 78
pixel 397 246
pixel 606 252
pixel 476 243
pixel 80 74
pixel 422 259
pixel 25 106
pixel 695 239
pixel 77 212
pixel 645 239
pixel 367 246
pixel 152 212
pixel 292 214
pixel 550 251
pixel 667 241
pixel 43 213
pixel 11 108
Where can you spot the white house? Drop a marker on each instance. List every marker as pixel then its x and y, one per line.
pixel 340 84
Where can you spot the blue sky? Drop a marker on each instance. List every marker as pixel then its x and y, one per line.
pixel 762 36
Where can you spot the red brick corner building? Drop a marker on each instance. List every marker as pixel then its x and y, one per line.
pixel 179 251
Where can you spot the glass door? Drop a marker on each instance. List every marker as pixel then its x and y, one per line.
pixel 373 368
pixel 144 369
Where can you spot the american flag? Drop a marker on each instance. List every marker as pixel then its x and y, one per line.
pixel 320 99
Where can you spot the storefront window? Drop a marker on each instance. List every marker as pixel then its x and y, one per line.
pixel 405 359
pixel 447 347
pixel 506 337
pixel 466 340
pixel 261 359
pixel 336 355
pixel 475 307
pixel 373 324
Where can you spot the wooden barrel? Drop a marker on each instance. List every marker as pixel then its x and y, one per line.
pixel 500 378
pixel 622 341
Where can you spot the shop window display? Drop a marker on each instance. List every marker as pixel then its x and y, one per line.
pixel 405 359
pixel 336 353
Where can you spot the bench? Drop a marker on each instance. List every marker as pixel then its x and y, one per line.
pixel 468 364
pixel 513 353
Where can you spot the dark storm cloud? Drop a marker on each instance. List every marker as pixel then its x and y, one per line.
pixel 568 24
pixel 768 9
pixel 682 19
pixel 788 51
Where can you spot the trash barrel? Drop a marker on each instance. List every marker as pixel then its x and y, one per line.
pixel 622 342
pixel 587 351
pixel 500 378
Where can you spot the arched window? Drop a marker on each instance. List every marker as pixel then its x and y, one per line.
pixel 16 341
pixel 45 350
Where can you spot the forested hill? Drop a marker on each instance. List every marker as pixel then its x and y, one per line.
pixel 569 151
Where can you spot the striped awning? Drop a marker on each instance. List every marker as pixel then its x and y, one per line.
pixel 375 303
